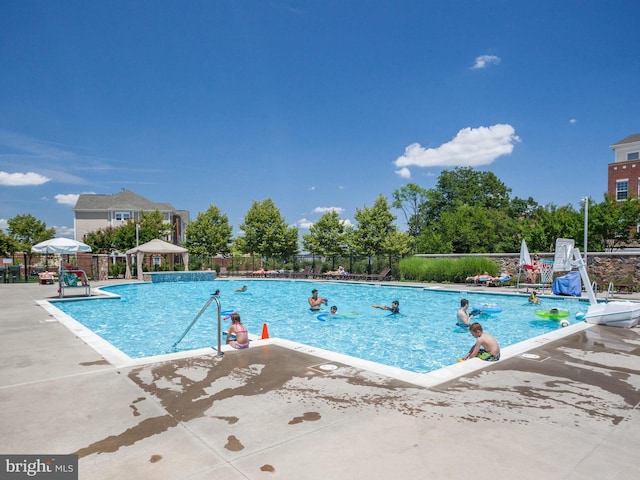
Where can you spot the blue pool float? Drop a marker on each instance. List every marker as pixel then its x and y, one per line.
pixel 488 308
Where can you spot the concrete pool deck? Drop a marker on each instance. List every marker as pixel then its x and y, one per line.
pixel 566 409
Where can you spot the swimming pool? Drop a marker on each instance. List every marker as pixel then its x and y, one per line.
pixel 148 319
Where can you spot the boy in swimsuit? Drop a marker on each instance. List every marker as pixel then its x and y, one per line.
pixel 237 336
pixel 394 308
pixel 485 348
pixel 464 318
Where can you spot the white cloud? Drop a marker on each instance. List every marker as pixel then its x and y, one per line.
pixel 572 121
pixel 307 224
pixel 304 223
pixel 338 210
pixel 404 172
pixel 346 222
pixel 484 60
pixel 67 198
pixel 471 147
pixel 4 224
pixel 22 179
pixel 64 232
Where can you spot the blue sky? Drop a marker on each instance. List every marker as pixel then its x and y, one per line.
pixel 314 104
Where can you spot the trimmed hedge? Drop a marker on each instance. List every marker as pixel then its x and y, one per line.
pixel 446 270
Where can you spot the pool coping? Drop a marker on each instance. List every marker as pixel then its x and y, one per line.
pixel 120 359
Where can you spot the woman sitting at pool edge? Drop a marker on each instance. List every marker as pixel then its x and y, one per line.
pixel 237 335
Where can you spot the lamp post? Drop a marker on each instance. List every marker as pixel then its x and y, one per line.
pixel 137 230
pixel 585 203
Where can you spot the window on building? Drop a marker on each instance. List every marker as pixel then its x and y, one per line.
pixel 633 156
pixel 622 189
pixel 123 215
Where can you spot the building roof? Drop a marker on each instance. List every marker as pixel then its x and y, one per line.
pixel 125 200
pixel 630 139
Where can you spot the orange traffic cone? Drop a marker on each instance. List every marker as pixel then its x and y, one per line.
pixel 265 331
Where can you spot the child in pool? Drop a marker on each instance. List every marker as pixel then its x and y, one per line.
pixel 394 308
pixel 237 335
pixel 464 317
pixel 486 346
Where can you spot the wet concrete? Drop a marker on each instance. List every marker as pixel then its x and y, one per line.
pixel 566 410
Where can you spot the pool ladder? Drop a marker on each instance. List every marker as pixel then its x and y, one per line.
pixel 214 298
pixel 610 290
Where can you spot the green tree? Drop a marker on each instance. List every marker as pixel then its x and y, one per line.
pixel 326 237
pixel 102 240
pixel 464 186
pixel 209 234
pixel 152 226
pixel 28 231
pixel 373 227
pixel 266 233
pixel 411 199
pixel 612 224
pixel 471 229
pixel 7 245
pixel 469 211
pixel 398 244
pixel 549 223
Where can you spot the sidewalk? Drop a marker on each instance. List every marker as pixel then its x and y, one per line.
pixel 564 410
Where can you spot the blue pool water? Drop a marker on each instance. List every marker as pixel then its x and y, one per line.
pixel 149 318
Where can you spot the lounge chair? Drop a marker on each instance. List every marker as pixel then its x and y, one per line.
pixel 46 278
pixel 499 280
pixel 383 275
pixel 317 272
pixel 303 274
pixel 480 279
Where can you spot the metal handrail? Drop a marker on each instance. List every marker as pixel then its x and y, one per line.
pixel 609 290
pixel 214 297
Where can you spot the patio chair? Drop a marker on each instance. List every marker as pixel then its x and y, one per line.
pixel 317 272
pixel 46 278
pixel 303 274
pixel 500 280
pixel 383 275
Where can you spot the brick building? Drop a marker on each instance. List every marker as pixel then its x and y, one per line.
pixel 624 172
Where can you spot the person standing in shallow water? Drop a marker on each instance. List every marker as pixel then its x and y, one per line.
pixel 464 318
pixel 315 301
